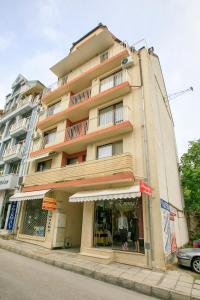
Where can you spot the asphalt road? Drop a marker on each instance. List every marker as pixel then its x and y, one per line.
pixel 22 278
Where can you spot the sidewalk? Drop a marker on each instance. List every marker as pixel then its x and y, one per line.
pixel 177 285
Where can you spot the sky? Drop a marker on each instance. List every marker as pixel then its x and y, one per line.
pixel 34 35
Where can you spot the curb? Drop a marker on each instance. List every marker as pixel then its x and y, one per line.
pixel 137 286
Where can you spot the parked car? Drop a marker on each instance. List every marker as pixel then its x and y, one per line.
pixel 189 257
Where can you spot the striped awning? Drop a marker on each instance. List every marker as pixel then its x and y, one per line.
pixel 108 194
pixel 29 195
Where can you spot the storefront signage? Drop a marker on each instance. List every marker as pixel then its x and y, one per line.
pixel 49 203
pixel 12 214
pixel 165 214
pixel 145 188
pixel 8 181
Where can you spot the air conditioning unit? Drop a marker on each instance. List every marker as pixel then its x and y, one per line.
pixel 127 62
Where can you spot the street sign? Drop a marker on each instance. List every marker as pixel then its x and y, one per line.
pixel 49 203
pixel 145 188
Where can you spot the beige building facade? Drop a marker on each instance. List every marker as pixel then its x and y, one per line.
pixel 102 128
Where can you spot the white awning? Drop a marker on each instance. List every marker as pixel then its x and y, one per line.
pixel 41 156
pixel 28 195
pixel 109 194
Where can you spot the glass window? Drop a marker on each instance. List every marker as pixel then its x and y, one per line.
pixel 119 225
pixel 111 81
pixel 14 168
pixel 53 108
pixel 103 56
pixel 104 151
pixel 72 161
pixel 111 115
pixel 50 136
pixel 44 165
pixel 35 218
pixel 110 149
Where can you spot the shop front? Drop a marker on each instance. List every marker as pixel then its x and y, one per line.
pixel 48 219
pixel 113 224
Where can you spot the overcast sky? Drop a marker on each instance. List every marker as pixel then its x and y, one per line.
pixel 34 35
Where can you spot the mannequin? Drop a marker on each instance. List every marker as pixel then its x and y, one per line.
pixel 123 230
pixel 134 228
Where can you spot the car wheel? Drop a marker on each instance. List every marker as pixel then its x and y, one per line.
pixel 196 264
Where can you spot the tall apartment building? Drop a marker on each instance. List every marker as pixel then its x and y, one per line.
pixel 105 125
pixel 17 122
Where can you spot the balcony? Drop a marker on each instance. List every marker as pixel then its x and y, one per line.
pixel 85 76
pixel 82 107
pixel 89 170
pixel 14 153
pixel 8 181
pixel 80 97
pixel 76 138
pixel 23 106
pixel 20 127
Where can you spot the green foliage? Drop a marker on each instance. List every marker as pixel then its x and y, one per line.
pixel 190 177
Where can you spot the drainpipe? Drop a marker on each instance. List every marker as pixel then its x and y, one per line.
pixel 149 246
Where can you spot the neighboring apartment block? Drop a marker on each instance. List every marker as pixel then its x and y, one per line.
pixel 17 123
pixel 105 125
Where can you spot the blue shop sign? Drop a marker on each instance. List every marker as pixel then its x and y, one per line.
pixel 12 214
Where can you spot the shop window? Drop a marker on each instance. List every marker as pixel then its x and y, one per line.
pixel 111 115
pixel 110 149
pixel 119 225
pixel 72 161
pixel 53 108
pixel 111 81
pixel 35 219
pixel 44 165
pixel 50 136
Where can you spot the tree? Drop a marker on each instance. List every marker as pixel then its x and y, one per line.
pixel 190 178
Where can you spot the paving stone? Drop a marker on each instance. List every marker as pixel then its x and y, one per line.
pixel 143 288
pixel 185 290
pixel 176 295
pixel 168 284
pixel 196 286
pixel 160 292
pixel 195 294
pixel 184 284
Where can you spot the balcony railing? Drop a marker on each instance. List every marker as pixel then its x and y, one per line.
pixel 85 67
pixel 15 150
pixel 89 169
pixel 21 124
pixel 80 97
pixel 77 130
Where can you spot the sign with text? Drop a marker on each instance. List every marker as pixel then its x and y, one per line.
pixel 145 188
pixel 49 203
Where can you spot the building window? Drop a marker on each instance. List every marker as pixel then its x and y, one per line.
pixel 111 81
pixel 44 165
pixel 14 168
pixel 35 218
pixel 1 170
pixel 50 136
pixel 111 115
pixel 53 108
pixel 72 161
pixel 103 56
pixel 110 149
pixel 119 225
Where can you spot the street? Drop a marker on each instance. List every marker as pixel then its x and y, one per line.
pixel 22 278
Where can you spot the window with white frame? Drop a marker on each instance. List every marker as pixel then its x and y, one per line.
pixel 112 114
pixel 52 109
pixel 110 149
pixel 111 81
